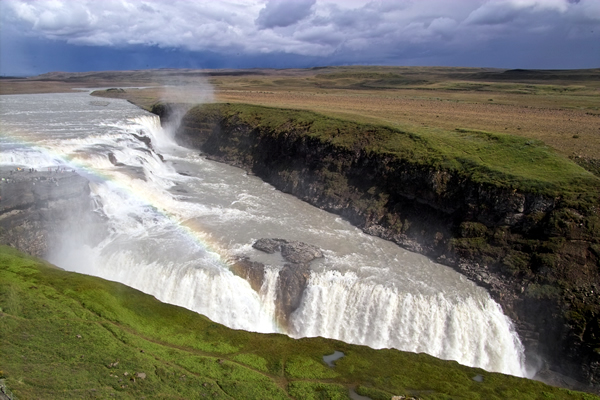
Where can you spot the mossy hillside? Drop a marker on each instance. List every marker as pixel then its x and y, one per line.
pixel 497 159
pixel 65 335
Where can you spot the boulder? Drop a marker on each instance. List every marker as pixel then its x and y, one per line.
pixel 292 251
pixel 293 279
pixel 253 272
pixel 293 276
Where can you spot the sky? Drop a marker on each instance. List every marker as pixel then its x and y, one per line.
pixel 90 35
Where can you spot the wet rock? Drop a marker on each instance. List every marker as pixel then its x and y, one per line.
pixel 144 139
pixel 293 276
pixel 300 253
pixel 269 246
pixel 253 272
pixel 292 251
pixel 148 142
pixel 293 279
pixel 113 160
pixel 291 284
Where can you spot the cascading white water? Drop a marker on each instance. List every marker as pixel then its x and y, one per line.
pixel 172 225
pixel 268 290
pixel 473 330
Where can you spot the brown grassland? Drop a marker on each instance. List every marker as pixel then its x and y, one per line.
pixel 561 108
pixel 565 116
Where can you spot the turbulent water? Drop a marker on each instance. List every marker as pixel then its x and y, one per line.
pixel 175 222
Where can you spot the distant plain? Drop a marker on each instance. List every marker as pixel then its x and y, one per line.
pixel 562 108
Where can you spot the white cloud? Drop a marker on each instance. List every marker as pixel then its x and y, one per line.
pixel 305 27
pixel 505 11
pixel 281 13
pixel 443 25
pixel 588 11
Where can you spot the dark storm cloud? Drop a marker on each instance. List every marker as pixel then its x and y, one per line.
pixel 527 33
pixel 492 14
pixel 283 13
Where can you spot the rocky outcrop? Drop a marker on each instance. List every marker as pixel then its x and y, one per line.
pixel 537 254
pixel 36 207
pixel 252 271
pixel 292 251
pixel 293 279
pixel 293 276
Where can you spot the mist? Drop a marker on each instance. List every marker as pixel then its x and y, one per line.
pixel 165 220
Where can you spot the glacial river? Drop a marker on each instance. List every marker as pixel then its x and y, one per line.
pixel 175 223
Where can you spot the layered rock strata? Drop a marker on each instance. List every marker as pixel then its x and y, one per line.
pixel 537 255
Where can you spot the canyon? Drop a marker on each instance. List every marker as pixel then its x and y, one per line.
pixel 537 254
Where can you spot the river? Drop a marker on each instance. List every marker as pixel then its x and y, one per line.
pixel 176 220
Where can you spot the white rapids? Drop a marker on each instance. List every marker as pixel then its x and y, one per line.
pixel 175 222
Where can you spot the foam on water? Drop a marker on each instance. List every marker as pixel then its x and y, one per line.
pixel 473 331
pixel 171 226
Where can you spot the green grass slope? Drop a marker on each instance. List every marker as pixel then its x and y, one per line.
pixel 493 158
pixel 64 335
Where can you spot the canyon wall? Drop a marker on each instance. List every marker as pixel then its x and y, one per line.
pixel 537 254
pixel 36 208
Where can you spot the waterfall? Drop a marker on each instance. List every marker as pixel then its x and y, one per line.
pixel 173 219
pixel 268 291
pixel 472 331
pixel 212 291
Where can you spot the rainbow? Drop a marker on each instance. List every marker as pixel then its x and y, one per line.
pixel 34 147
pixel 189 229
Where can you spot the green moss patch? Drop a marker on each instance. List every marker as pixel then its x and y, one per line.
pixel 64 335
pixel 502 160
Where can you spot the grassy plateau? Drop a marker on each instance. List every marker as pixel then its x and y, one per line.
pixel 499 159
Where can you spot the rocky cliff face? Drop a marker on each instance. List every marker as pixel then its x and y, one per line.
pixel 36 207
pixel 293 276
pixel 537 255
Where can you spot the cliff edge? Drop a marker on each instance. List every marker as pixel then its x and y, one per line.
pixel 506 212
